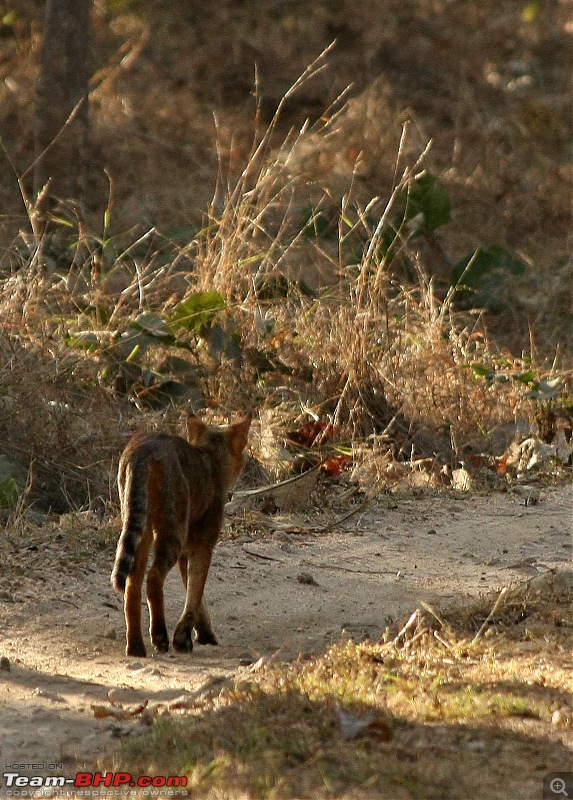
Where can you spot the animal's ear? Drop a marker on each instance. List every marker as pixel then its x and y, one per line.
pixel 195 429
pixel 238 433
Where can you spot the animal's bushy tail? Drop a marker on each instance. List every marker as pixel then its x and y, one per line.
pixel 133 497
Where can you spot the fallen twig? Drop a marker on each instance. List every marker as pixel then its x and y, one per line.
pixel 441 641
pixel 434 613
pixel 260 555
pixel 337 567
pixel 415 638
pixel 485 623
pixel 343 518
pixel 264 489
pixel 413 619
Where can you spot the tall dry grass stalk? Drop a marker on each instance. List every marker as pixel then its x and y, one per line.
pixel 373 349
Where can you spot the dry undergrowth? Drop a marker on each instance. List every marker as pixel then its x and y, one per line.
pixel 283 219
pixel 99 328
pixel 419 716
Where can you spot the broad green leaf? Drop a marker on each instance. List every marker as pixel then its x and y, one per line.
pixel 476 268
pixel 167 393
pixel 524 377
pixel 9 493
pixel 196 311
pixel 181 234
pixel 491 376
pixel 486 273
pixel 132 343
pixel 277 287
pixel 84 340
pixel 174 366
pixel 426 197
pixel 318 224
pixel 481 371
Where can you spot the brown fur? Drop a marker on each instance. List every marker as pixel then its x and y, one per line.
pixel 172 495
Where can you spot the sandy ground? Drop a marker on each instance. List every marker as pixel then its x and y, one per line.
pixel 62 630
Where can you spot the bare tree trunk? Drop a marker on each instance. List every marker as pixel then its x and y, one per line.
pixel 60 139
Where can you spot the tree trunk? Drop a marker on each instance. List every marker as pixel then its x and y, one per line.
pixel 60 139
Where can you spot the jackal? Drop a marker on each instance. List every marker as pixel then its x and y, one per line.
pixel 172 494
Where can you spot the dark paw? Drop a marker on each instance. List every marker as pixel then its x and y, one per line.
pixel 160 640
pixel 183 640
pixel 161 645
pixel 205 636
pixel 136 649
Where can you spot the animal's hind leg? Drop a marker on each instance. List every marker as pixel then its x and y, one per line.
pixel 203 627
pixel 132 599
pixel 182 564
pixel 205 634
pixel 165 557
pixel 195 613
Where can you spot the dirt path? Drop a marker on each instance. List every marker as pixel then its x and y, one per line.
pixel 62 631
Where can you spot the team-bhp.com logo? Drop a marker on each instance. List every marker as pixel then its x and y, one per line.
pixel 18 785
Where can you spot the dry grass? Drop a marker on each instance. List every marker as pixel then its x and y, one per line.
pixel 379 342
pixel 373 346
pixel 373 353
pixel 416 717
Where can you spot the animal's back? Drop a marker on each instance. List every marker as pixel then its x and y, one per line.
pixel 164 483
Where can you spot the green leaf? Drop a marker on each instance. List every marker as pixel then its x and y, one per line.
pixel 9 493
pixel 524 377
pixel 83 340
pixel 485 264
pixel 196 311
pixel 426 197
pixel 277 287
pixel 176 367
pixel 132 343
pixel 171 393
pixel 486 273
pixel 181 234
pixel 317 224
pixel 481 371
pixel 491 376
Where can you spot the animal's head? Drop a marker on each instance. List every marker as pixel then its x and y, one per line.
pixel 229 442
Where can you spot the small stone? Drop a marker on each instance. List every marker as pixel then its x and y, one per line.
pixel 110 633
pixel 561 717
pixel 306 578
pixel 530 495
pixel 54 698
pixel 4 664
